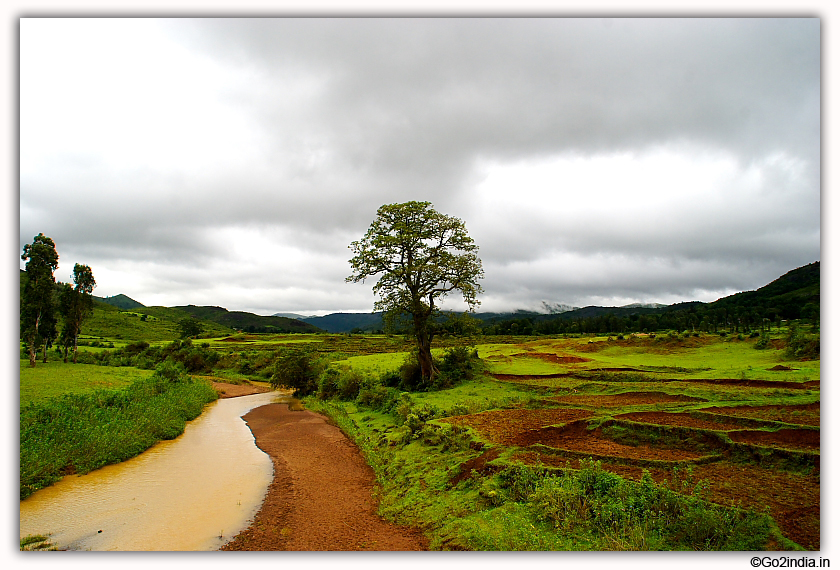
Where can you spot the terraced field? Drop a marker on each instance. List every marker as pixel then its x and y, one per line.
pixel 744 421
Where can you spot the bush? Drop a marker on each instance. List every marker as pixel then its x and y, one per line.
pixel 171 371
pixel 135 348
pixel 299 370
pixel 459 364
pixel 379 397
pixel 349 383
pixel 801 347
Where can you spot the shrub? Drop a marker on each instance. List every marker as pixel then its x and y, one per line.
pixel 171 371
pixel 134 348
pixel 299 370
pixel 328 384
pixel 459 364
pixel 379 397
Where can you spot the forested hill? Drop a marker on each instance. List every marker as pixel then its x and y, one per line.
pixel 121 302
pixel 249 322
pixel 795 295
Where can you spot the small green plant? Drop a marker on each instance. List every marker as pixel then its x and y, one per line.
pixel 36 542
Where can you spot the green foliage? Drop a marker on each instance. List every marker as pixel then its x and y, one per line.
pixel 591 501
pixel 459 364
pixel 190 327
pixel 36 542
pixel 297 369
pixel 800 345
pixel 37 304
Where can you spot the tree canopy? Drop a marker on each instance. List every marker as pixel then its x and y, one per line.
pixel 421 256
pixel 37 305
pixel 76 304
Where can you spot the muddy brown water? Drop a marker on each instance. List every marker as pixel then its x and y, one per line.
pixel 195 492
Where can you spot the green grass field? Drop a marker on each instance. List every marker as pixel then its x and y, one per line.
pixel 55 378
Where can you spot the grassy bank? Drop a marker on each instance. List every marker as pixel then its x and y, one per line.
pixel 55 378
pixel 80 432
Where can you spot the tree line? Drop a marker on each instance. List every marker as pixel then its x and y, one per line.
pixel 43 301
pixel 697 318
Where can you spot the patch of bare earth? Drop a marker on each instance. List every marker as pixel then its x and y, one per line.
pixel 785 438
pixel 226 390
pixel 320 498
pixel 802 414
pixel 526 377
pixel 625 399
pixel 577 438
pixel 738 383
pixel 559 358
pixel 503 427
pixel 679 419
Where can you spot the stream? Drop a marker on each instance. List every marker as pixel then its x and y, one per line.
pixel 195 492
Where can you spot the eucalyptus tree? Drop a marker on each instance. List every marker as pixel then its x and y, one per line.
pixel 421 256
pixel 75 305
pixel 37 302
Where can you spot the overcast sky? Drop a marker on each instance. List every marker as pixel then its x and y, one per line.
pixel 596 161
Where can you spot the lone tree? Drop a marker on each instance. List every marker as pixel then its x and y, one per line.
pixel 75 303
pixel 190 327
pixel 37 304
pixel 422 256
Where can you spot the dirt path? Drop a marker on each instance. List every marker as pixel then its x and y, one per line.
pixel 320 498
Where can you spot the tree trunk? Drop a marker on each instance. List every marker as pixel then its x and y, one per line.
pixel 32 356
pixel 424 347
pixel 424 356
pixel 45 352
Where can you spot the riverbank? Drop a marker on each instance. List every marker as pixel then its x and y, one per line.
pixel 320 498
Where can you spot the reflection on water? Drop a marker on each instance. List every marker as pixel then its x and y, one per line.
pixel 195 492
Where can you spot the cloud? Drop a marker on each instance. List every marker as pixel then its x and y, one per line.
pixel 235 159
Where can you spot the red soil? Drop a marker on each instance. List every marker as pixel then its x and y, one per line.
pixel 785 438
pixel 503 427
pixel 747 383
pixel 226 390
pixel 802 414
pixel 320 498
pixel 557 359
pixel 576 437
pixel 680 419
pixel 522 378
pixel 478 464
pixel 625 399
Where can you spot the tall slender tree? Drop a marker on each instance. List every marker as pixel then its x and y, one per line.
pixel 75 305
pixel 422 256
pixel 37 303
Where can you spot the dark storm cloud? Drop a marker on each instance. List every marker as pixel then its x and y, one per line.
pixel 205 136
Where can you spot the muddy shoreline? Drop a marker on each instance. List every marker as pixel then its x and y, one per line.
pixel 320 497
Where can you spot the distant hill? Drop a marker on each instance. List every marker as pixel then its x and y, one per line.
pixel 346 322
pixel 249 322
pixel 796 294
pixel 121 302
pixel 290 316
pixel 148 324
